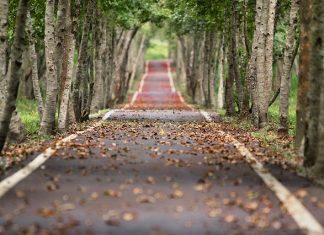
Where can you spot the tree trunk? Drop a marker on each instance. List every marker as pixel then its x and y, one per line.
pixel 233 62
pixel 48 120
pixel 60 32
pixel 26 83
pixel 4 6
pixel 265 60
pixel 110 66
pixel 136 63
pixel 81 74
pixel 288 60
pixel 67 71
pixel 35 77
pixel 122 60
pixel 101 51
pixel 221 87
pixel 15 71
pixel 314 146
pixel 251 75
pixel 303 82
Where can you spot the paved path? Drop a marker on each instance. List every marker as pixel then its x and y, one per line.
pixel 156 167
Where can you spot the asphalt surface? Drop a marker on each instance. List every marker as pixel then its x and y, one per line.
pixel 155 168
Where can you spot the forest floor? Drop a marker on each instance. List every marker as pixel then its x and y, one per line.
pixel 158 166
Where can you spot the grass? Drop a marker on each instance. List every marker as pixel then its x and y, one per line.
pixel 28 113
pixel 157 50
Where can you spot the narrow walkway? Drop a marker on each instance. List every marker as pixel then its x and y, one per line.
pixel 154 168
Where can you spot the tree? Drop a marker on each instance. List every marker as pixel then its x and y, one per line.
pixel 14 72
pixel 303 82
pixel 314 144
pixel 288 60
pixel 48 119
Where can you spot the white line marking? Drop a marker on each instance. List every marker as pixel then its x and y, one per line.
pixel 206 116
pixel 107 115
pixel 303 218
pixel 184 102
pixel 170 77
pixel 17 177
pixel 134 98
pixel 143 78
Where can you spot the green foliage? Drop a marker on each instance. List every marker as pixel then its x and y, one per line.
pixel 134 13
pixel 157 50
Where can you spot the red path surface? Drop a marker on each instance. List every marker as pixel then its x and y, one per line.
pixel 156 89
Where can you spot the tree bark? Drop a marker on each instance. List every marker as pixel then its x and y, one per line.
pixel 67 71
pixel 314 145
pixel 251 75
pixel 303 82
pixel 81 73
pixel 221 87
pixel 110 65
pixel 101 51
pixel 60 32
pixel 264 72
pixel 4 6
pixel 14 73
pixel 233 62
pixel 48 120
pixel 288 60
pixel 35 77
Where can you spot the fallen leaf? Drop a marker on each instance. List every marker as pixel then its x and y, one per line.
pixel 129 216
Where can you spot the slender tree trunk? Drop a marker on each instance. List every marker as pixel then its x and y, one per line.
pixel 233 62
pixel 288 60
pixel 185 53
pixel 14 73
pixel 137 60
pixel 60 32
pixel 121 67
pixel 101 50
pixel 205 65
pixel 229 87
pixel 303 82
pixel 314 146
pixel 221 87
pixel 195 75
pixel 67 71
pixel 48 120
pixel 251 75
pixel 35 77
pixel 4 6
pixel 81 74
pixel 265 60
pixel 110 65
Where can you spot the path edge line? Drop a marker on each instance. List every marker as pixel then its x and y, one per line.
pixel 300 214
pixel 12 180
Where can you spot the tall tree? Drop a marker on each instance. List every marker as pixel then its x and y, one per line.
pixel 14 73
pixel 314 145
pixel 303 81
pixel 3 37
pixel 48 120
pixel 288 60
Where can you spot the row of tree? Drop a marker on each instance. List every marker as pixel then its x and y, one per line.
pixel 74 57
pixel 251 48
